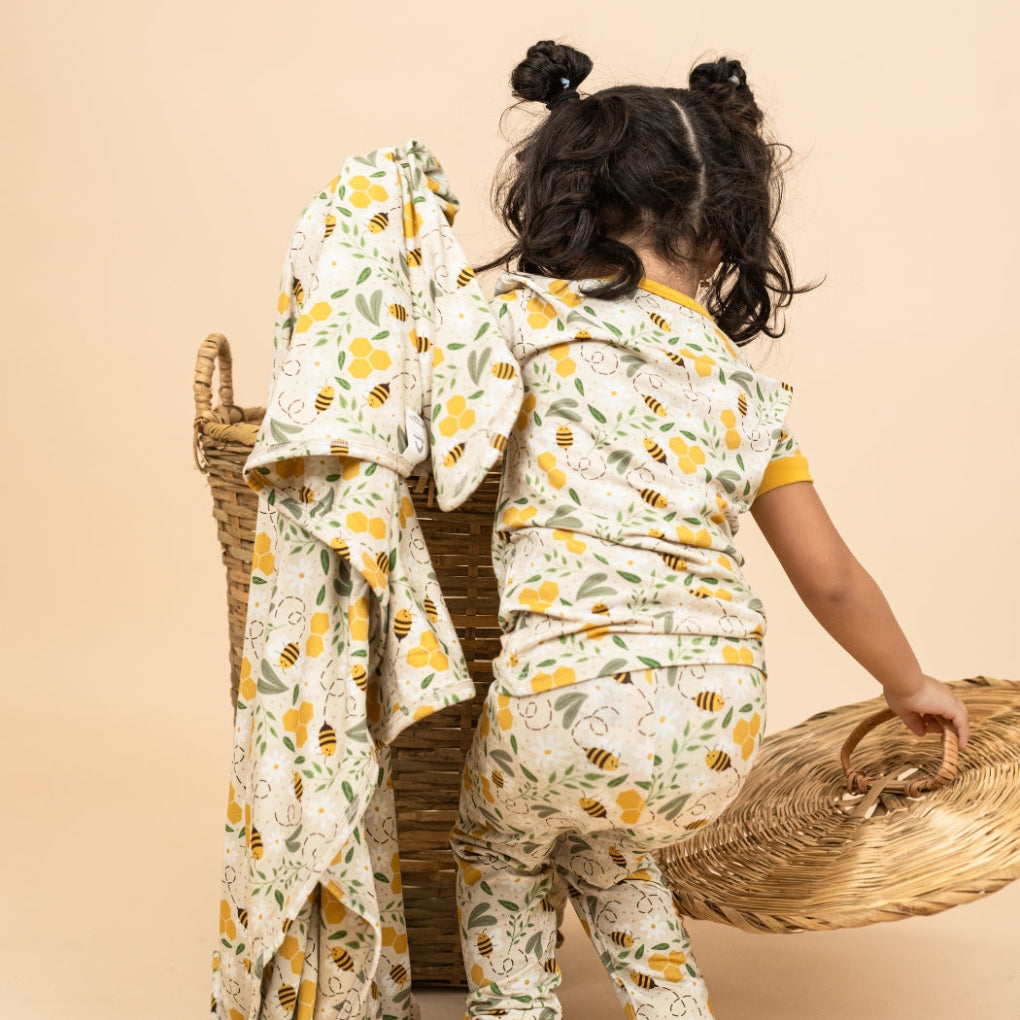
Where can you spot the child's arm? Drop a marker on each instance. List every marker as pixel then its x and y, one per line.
pixel 848 603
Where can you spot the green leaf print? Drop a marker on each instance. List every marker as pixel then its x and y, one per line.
pixel 292 842
pixel 676 805
pixel 597 414
pixel 280 431
pixel 569 704
pixel 629 577
pixel 270 682
pixel 479 916
pixel 278 896
pixel 481 329
pixel 574 496
pixel 564 408
pixel 727 717
pixel 477 361
pixel 592 587
pixel 620 459
pixel 563 517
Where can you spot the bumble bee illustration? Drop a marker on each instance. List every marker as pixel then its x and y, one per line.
pixel 622 678
pixel 289 655
pixel 551 966
pixel 504 370
pixel 402 623
pixel 421 343
pixel 297 290
pixel 379 395
pixel 659 321
pixel 287 997
pixel 255 843
pixel 673 562
pixel 582 334
pixel 378 223
pixel 382 561
pixel 718 761
pixel 675 358
pixel 654 405
pixel 547 905
pixel 497 778
pixel 710 701
pixel 653 498
pixel 358 675
pixel 399 312
pixel 398 973
pixel 616 857
pixel 564 437
pixel 592 807
pixel 453 456
pixel 327 740
pixel 430 610
pixel 622 938
pixel 341 547
pixel 306 495
pixel 242 916
pixel 341 958
pixel 414 257
pixel 698 823
pixel 324 399
pixel 642 980
pixel 498 443
pixel 742 404
pixel 656 451
pixel 602 759
pixel 339 448
pixel 786 386
pixel 299 786
pixel 330 225
pixel 465 276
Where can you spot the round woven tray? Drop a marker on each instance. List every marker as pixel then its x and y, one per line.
pixel 428 757
pixel 797 852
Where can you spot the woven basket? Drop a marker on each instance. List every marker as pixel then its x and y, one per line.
pixel 427 757
pixel 810 844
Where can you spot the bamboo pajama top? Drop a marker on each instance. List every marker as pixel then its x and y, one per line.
pixel 643 435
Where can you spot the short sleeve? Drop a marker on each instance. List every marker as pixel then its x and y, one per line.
pixel 787 465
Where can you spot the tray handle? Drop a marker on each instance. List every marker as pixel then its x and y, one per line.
pixel 858 781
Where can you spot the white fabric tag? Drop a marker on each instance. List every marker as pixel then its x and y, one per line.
pixel 417 436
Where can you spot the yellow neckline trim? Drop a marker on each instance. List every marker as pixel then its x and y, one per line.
pixel 676 296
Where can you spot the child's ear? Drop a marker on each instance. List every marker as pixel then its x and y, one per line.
pixel 713 256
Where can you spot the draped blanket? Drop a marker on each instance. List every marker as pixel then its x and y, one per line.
pixel 386 354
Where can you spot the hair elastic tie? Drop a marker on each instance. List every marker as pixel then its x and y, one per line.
pixel 734 79
pixel 560 97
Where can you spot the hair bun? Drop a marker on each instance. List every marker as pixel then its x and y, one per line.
pixel 540 75
pixel 724 83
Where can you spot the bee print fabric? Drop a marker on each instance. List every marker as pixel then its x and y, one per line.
pixel 586 782
pixel 642 437
pixel 385 347
pixel 384 351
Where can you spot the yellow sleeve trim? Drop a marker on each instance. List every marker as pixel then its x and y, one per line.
pixel 784 471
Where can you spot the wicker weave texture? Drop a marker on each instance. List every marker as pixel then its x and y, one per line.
pixel 796 851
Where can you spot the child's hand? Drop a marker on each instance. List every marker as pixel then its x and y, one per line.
pixel 930 698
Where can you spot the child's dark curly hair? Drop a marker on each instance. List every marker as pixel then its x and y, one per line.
pixel 681 167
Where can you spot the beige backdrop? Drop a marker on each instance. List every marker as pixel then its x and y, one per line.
pixel 155 158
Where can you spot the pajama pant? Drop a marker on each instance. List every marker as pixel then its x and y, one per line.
pixel 585 781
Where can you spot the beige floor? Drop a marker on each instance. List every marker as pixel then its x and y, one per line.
pixel 110 898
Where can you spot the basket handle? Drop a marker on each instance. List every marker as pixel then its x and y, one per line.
pixel 215 348
pixel 858 781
